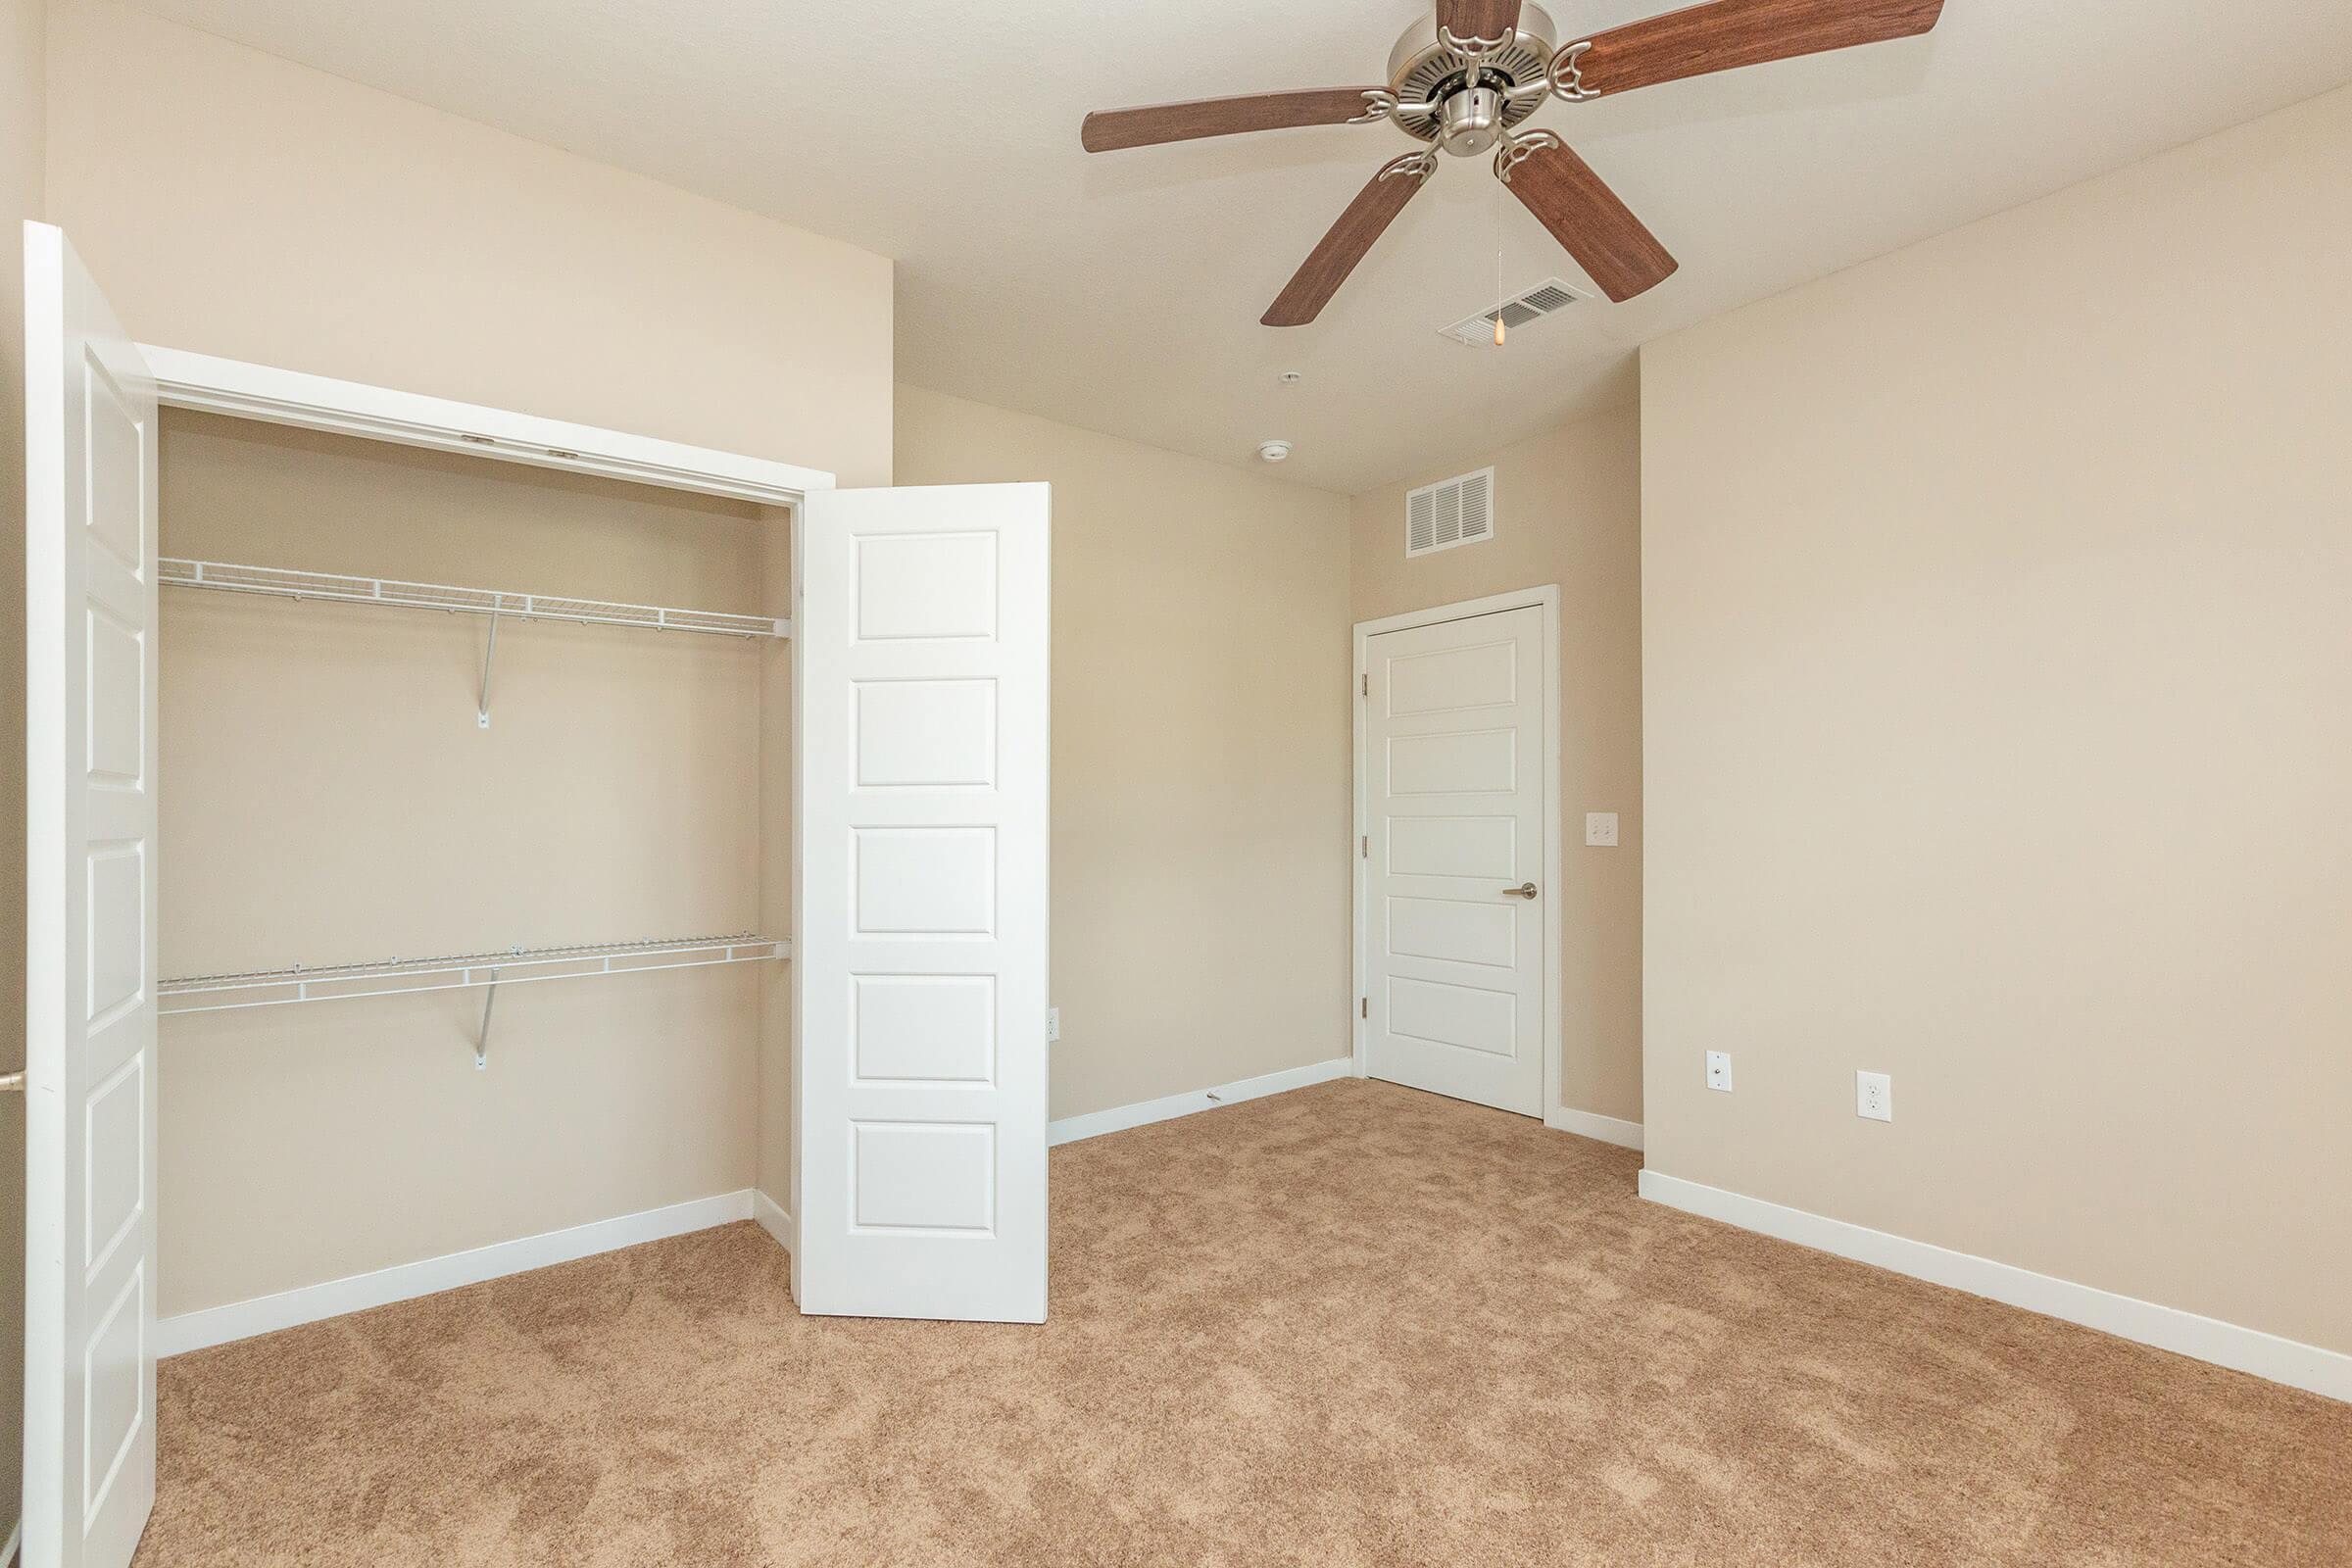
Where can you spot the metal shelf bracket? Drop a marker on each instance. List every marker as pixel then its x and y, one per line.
pixel 481 712
pixel 481 1043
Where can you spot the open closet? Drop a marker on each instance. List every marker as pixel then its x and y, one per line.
pixel 459 840
pixel 437 733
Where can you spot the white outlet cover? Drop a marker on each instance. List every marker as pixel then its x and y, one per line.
pixel 1052 1024
pixel 1719 1070
pixel 1600 830
pixel 1873 1096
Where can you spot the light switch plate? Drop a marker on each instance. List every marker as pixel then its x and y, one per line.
pixel 1600 830
pixel 1719 1070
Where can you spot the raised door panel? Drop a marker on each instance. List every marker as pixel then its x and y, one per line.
pixel 90 779
pixel 1455 736
pixel 922 657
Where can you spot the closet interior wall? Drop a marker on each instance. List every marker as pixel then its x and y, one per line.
pixel 327 796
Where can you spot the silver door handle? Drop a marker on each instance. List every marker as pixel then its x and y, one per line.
pixel 1525 889
pixel 12 1083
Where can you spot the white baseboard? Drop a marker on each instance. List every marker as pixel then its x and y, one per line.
pixel 1119 1118
pixel 1592 1124
pixel 2167 1327
pixel 772 1218
pixel 239 1320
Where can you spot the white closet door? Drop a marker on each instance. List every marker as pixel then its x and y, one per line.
pixel 920 949
pixel 90 614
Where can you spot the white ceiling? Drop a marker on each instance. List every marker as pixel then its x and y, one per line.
pixel 1121 292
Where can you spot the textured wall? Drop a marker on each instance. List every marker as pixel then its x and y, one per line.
pixel 1200 824
pixel 235 204
pixel 1998 722
pixel 1568 510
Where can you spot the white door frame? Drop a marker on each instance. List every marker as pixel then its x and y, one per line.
pixel 263 392
pixel 1548 600
pixel 296 399
pixel 266 393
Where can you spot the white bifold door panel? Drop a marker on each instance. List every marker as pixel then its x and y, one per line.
pixel 1455 753
pixel 920 655
pixel 89 1043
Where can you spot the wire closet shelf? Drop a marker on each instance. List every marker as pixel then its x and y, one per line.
pixel 284 583
pixel 270 988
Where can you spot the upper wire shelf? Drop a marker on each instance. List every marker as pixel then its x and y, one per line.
pixel 266 987
pixel 284 583
pixel 389 977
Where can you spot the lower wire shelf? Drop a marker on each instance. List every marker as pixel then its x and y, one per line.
pixel 272 988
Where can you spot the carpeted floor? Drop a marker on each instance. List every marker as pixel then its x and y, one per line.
pixel 1352 1324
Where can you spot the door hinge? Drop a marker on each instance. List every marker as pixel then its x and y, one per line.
pixel 1367 685
pixel 1367 846
pixel 1363 1007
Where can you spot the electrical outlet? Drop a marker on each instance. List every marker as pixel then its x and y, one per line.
pixel 1873 1096
pixel 1052 1025
pixel 1719 1070
pixel 1600 830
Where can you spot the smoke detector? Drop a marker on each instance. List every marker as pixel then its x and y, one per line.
pixel 1273 451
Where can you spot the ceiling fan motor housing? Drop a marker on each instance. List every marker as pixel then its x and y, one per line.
pixel 1474 109
pixel 1472 122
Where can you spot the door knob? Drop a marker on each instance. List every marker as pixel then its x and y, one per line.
pixel 1525 889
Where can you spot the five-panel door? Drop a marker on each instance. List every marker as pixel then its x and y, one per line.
pixel 920 657
pixel 90 876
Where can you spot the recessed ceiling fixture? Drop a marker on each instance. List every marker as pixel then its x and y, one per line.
pixel 1273 451
pixel 1466 83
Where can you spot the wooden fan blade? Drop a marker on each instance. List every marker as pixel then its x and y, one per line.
pixel 1479 19
pixel 1726 34
pixel 1108 129
pixel 1591 224
pixel 1366 218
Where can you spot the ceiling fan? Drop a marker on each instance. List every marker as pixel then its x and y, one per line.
pixel 1465 86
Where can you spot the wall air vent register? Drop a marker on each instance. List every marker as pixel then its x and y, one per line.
pixel 1454 512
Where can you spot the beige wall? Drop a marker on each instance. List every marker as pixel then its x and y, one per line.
pixel 1199 752
pixel 1568 510
pixel 232 203
pixel 22 143
pixel 235 204
pixel 1999 723
pixel 329 798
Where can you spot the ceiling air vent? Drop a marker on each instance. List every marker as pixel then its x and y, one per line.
pixel 1456 512
pixel 1516 312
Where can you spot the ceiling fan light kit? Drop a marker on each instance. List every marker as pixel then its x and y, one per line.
pixel 1466 84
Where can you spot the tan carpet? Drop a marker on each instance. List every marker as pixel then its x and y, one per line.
pixel 1352 1324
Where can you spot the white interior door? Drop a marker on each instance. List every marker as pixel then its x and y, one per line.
pixel 921 657
pixel 89 1043
pixel 1455 741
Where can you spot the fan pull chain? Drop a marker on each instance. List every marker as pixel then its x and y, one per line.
pixel 1496 208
